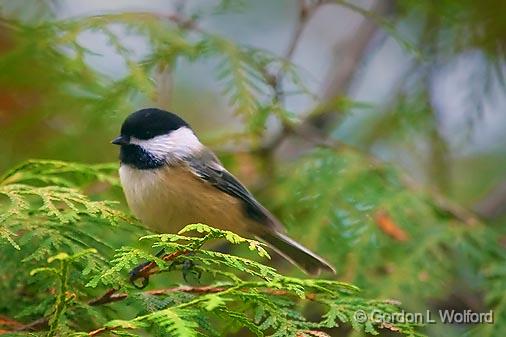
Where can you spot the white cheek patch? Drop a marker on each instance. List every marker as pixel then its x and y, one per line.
pixel 175 145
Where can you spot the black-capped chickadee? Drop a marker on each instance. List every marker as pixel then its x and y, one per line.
pixel 171 179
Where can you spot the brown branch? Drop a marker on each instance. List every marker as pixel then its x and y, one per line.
pixel 164 73
pixel 15 326
pixel 493 205
pixel 152 268
pixel 108 297
pixel 164 85
pixel 144 273
pixel 350 57
pixel 313 129
pixel 439 202
pixel 275 81
pixel 324 116
pixel 306 12
pixel 9 322
pixel 116 297
pixel 111 297
pixel 101 330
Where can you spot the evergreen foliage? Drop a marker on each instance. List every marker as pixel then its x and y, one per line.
pixel 63 266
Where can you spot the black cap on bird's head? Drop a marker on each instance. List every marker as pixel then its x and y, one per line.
pixel 148 123
pixel 151 137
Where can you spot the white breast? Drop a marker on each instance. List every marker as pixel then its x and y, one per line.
pixel 168 198
pixel 145 193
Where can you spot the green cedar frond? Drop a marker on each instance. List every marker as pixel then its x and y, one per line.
pixel 268 303
pixel 8 235
pixel 60 173
pixel 57 204
pixel 241 80
pixel 344 201
pixel 170 322
pixel 214 233
pixel 125 259
pixel 175 322
pixel 243 71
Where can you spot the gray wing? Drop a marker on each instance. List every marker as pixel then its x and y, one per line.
pixel 206 166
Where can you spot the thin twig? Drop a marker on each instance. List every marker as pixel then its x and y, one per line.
pixel 108 297
pixel 164 85
pixel 350 58
pixel 101 330
pixel 164 72
pixel 38 324
pixel 111 297
pixel 493 204
pixel 306 12
pixel 341 77
pixel 144 273
pixel 276 81
pixel 439 201
pixel 186 289
pixel 152 268
pixel 9 322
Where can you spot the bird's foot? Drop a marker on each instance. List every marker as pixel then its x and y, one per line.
pixel 188 268
pixel 144 270
pixel 138 273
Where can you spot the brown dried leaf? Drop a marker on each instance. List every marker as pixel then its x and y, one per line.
pixel 389 227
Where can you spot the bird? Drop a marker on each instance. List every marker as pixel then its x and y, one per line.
pixel 170 179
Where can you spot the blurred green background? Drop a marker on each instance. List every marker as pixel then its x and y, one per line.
pixel 374 129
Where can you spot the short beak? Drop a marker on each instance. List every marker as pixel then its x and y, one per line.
pixel 121 140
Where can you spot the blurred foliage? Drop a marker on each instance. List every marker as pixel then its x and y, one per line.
pixel 392 237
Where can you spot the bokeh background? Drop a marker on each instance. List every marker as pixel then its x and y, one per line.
pixel 374 129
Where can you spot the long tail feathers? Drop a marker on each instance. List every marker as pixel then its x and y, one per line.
pixel 296 253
